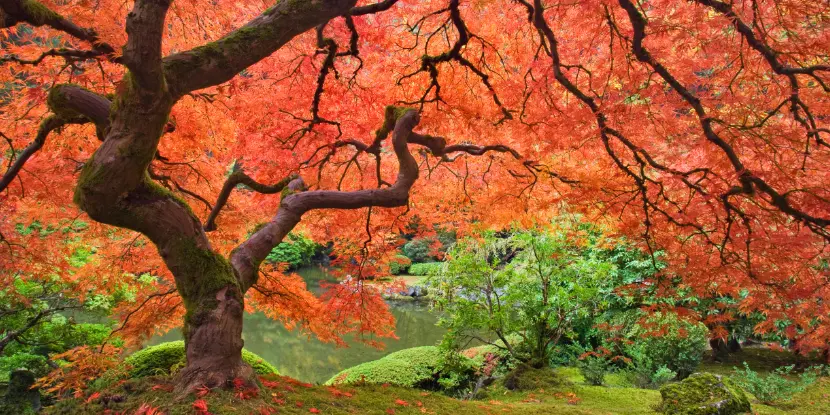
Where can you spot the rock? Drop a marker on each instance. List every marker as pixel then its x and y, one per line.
pixel 409 291
pixel 703 394
pixel 414 291
pixel 20 397
pixel 420 291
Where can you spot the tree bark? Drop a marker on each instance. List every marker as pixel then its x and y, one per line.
pixel 733 345
pixel 213 341
pixel 719 349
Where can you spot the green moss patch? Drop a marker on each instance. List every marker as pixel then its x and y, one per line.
pixel 418 367
pixel 282 395
pixel 703 394
pixel 166 358
pixel 38 14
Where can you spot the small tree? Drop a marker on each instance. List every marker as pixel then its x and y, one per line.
pixel 531 286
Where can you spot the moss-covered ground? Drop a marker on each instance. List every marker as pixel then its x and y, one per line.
pixel 545 391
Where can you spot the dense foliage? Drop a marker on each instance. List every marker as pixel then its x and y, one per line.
pixel 297 251
pixel 535 286
pixel 42 316
pixel 777 386
pixel 425 268
pixel 695 129
pixel 665 341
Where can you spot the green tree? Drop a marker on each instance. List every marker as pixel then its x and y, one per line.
pixel 296 251
pixel 523 293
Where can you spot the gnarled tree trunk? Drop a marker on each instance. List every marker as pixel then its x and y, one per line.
pixel 213 340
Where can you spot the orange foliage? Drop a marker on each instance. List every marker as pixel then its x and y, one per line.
pixel 84 364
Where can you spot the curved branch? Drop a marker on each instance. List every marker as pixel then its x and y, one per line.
pixel 71 104
pixel 236 178
pixel 219 61
pixel 248 255
pixel 373 8
pixel 72 101
pixel 70 55
pixel 48 125
pixel 34 13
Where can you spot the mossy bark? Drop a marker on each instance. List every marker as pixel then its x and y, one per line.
pixel 213 338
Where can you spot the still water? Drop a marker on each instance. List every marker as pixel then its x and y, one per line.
pixel 310 360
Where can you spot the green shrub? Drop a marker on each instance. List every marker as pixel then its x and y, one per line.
pixel 548 283
pixel 644 373
pixel 418 249
pixel 427 268
pixel 399 265
pixel 594 369
pixel 703 394
pixel 22 360
pixel 166 358
pixel 417 367
pixel 679 346
pixel 662 376
pixel 775 387
pixel 296 250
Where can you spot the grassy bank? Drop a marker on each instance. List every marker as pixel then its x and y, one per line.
pixel 546 391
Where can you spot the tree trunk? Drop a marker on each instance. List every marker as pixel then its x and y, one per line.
pixel 213 342
pixel 719 349
pixel 734 346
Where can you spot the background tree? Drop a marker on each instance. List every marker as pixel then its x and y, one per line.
pixel 699 127
pixel 523 293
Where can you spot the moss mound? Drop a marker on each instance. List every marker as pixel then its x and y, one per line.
pixel 703 394
pixel 166 358
pixel 418 367
pixel 527 378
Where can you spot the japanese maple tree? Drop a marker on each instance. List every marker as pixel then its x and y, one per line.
pixel 697 127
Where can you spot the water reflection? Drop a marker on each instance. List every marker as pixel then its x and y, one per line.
pixel 308 359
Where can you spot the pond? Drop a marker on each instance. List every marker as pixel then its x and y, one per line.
pixel 307 359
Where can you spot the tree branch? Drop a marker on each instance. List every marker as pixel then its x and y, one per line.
pixel 71 104
pixel 142 53
pixel 236 178
pixel 373 8
pixel 219 61
pixel 70 55
pixel 247 257
pixel 47 126
pixel 36 14
pixel 13 335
